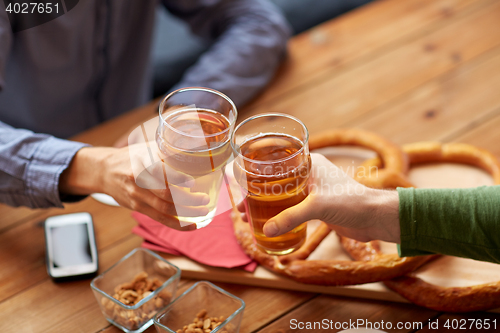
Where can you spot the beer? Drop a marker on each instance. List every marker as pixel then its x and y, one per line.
pixel 196 142
pixel 274 171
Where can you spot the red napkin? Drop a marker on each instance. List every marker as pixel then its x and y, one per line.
pixel 151 241
pixel 213 245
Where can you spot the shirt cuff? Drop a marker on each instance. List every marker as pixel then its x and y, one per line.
pixel 408 224
pixel 407 251
pixel 49 160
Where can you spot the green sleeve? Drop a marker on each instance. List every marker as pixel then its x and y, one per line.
pixel 456 222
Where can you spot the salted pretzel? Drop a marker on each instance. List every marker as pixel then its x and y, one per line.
pixel 339 272
pixel 451 299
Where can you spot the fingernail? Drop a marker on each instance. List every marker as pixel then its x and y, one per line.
pixel 205 200
pixel 271 229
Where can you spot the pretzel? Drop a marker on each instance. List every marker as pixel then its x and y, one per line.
pixel 326 272
pixel 452 299
pixel 339 272
pixel 426 152
pixel 394 160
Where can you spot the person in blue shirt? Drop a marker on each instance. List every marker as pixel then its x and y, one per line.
pixel 92 64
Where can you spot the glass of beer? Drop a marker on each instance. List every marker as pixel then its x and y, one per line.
pixel 193 137
pixel 272 166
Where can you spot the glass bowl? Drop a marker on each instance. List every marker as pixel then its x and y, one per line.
pixel 142 282
pixel 202 298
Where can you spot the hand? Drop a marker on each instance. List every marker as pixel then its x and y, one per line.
pixel 130 177
pixel 351 209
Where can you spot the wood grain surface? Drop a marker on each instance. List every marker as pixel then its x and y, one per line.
pixel 409 70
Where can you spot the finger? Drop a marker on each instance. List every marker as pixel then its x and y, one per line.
pixel 244 217
pixel 160 171
pixel 177 178
pixel 289 219
pixel 169 221
pixel 170 208
pixel 241 206
pixel 172 175
pixel 181 196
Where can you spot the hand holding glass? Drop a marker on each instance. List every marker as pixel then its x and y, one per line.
pixel 272 165
pixel 193 137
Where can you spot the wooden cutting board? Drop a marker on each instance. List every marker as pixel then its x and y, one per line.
pixel 446 271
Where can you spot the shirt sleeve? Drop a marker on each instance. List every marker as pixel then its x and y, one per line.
pixel 30 167
pixel 30 164
pixel 456 222
pixel 251 37
pixel 5 42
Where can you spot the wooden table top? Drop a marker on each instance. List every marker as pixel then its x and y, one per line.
pixel 409 70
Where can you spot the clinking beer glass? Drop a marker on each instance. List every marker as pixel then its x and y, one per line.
pixel 272 166
pixel 193 137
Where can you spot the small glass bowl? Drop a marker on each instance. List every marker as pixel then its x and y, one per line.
pixel 136 318
pixel 201 296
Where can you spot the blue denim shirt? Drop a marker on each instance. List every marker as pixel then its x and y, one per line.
pixel 92 64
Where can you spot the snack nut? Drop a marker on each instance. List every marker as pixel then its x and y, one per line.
pixel 202 323
pixel 131 293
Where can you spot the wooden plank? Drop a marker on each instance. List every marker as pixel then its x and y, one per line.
pixel 358 34
pixel 468 322
pixel 108 132
pixel 263 305
pixel 22 248
pixel 9 216
pixel 355 92
pixel 60 307
pixel 444 106
pixel 355 34
pixel 486 135
pixel 342 310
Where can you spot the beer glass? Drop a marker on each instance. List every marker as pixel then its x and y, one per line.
pixel 193 136
pixel 272 166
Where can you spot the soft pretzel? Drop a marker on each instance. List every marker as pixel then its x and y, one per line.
pixel 426 152
pixel 394 160
pixel 326 272
pixel 453 299
pixel 338 272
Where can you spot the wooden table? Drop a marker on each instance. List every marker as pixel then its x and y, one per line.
pixel 410 70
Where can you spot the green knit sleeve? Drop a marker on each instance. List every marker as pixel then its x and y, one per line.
pixel 457 222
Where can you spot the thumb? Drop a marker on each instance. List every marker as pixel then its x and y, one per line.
pixel 289 219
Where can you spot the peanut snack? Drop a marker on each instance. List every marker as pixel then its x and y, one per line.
pixel 131 293
pixel 202 323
